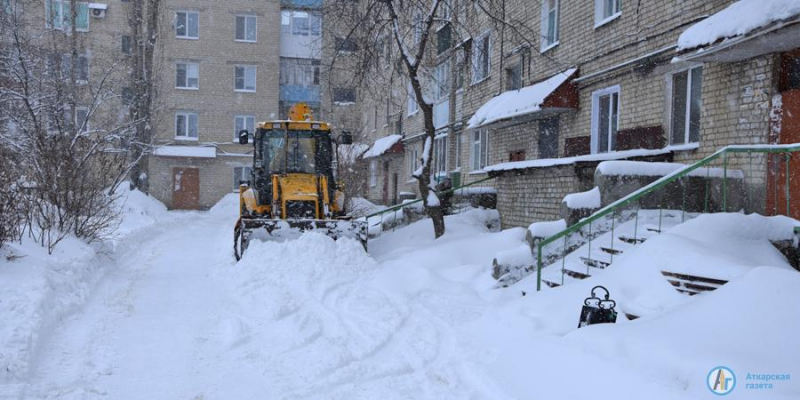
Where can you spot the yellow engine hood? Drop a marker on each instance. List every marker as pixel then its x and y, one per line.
pixel 298 187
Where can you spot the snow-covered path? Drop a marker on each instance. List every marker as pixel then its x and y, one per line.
pixel 178 319
pixel 138 335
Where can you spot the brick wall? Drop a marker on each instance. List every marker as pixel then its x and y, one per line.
pixel 534 195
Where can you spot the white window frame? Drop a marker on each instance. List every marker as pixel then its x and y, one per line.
pixel 479 149
pixel 441 82
pixel 187 35
pixel 50 23
pixel 244 88
pixel 600 18
pixel 188 66
pixel 546 10
pixel 373 173
pixel 596 95
pixel 236 127
pixel 440 155
pixel 689 69
pixel 244 172
pixel 187 116
pixel 413 162
pixel 459 148
pixel 484 36
pixel 246 18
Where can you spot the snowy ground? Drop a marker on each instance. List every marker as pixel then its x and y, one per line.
pixel 169 315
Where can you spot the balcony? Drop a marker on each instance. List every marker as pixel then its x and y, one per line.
pixel 297 93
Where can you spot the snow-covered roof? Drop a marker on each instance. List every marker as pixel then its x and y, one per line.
pixel 737 19
pixel 514 103
pixel 550 162
pixel 186 151
pixel 382 145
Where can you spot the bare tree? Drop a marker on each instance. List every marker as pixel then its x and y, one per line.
pixel 390 44
pixel 66 124
pixel 143 22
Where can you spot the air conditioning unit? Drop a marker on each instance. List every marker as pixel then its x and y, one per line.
pixel 98 10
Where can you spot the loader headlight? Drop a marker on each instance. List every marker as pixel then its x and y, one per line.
pixel 276 126
pixel 314 126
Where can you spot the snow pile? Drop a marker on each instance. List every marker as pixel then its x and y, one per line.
pixel 552 162
pixel 546 229
pixel 737 19
pixel 228 205
pixel 38 289
pixel 139 211
pixel 382 145
pixel 359 207
pixel 587 199
pixel 514 103
pixel 642 168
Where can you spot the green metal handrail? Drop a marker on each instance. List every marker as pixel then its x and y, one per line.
pixel 663 181
pixel 403 205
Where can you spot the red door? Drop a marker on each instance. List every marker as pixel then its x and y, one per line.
pixel 185 188
pixel 790 133
pixel 386 182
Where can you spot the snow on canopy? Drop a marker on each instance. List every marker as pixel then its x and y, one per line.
pixel 185 151
pixel 737 19
pixel 382 145
pixel 514 103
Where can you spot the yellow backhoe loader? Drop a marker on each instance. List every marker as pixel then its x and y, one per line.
pixel 292 187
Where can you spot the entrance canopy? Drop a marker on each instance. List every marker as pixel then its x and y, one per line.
pixel 550 96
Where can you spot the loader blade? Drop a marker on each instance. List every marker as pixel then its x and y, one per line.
pixel 276 229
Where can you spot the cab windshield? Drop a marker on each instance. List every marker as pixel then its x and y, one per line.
pixel 290 151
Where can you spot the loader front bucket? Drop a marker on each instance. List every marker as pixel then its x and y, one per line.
pixel 248 229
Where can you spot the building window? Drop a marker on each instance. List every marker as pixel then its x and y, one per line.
pixel 244 122
pixel 419 26
pixel 299 71
pixel 186 126
pixel 413 161
pixel 126 44
pixel 459 139
pixel 300 23
pixel 346 45
pixel 413 107
pixel 82 119
pixel 246 28
pixel 245 78
pixel 548 138
pixel 550 11
pixel 606 10
pixel 440 156
pixel 127 96
pixel 441 76
pixel 518 155
pixel 514 76
pixel 685 105
pixel 187 76
pixel 344 95
pixel 241 174
pixel 373 173
pixel 187 25
pixel 605 111
pixel 59 16
pixel 444 38
pixel 481 57
pixel 81 75
pixel 480 149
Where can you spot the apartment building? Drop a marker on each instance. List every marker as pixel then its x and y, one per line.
pixel 605 77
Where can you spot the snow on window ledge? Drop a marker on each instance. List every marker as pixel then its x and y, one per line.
pixel 683 147
pixel 607 20
pixel 186 139
pixel 478 172
pixel 549 46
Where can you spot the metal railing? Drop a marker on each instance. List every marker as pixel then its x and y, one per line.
pixel 393 216
pixel 616 207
